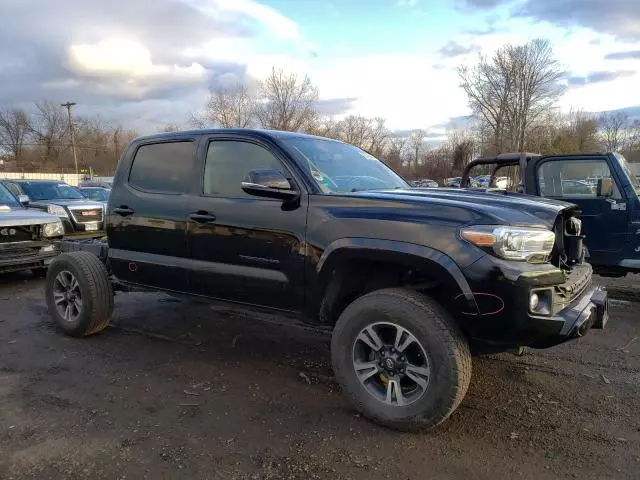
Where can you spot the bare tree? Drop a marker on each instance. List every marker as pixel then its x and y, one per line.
pixel 229 107
pixel 416 145
pixel 286 102
pixel 536 74
pixel 170 127
pixel 15 126
pixel 615 130
pixel 394 155
pixel 488 86
pixel 511 90
pixel 461 147
pixel 325 127
pixel 356 130
pixel 50 128
pixel 379 137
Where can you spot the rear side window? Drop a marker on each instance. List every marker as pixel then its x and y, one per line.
pixel 163 167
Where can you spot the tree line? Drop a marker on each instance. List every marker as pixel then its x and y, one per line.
pixel 513 95
pixel 39 140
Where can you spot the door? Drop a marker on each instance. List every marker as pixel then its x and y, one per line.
pixel 147 219
pixel 604 219
pixel 245 248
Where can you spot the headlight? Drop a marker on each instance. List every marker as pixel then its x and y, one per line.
pixel 53 229
pixel 512 243
pixel 57 210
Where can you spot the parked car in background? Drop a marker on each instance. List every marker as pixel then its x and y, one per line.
pixel 27 237
pixel 424 183
pixel 482 180
pixel 452 182
pixel 102 182
pixel 79 215
pixel 98 194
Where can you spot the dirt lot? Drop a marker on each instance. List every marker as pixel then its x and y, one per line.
pixel 180 390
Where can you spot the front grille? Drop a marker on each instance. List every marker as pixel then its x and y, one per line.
pixel 20 233
pixel 19 250
pixel 87 215
pixel 577 280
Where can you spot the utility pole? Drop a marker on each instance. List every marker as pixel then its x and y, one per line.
pixel 68 106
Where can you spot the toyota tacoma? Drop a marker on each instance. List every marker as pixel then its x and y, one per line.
pixel 410 281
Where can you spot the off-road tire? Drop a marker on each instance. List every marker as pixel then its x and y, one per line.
pixel 96 291
pixel 445 345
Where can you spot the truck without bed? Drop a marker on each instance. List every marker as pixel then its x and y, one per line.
pixel 410 281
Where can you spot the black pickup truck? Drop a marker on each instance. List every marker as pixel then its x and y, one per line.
pixel 410 282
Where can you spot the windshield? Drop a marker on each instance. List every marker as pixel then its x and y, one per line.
pixel 98 194
pixel 627 170
pixel 51 191
pixel 6 199
pixel 339 167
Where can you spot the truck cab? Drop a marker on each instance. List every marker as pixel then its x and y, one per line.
pixel 601 184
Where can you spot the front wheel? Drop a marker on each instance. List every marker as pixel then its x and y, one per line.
pixel 79 293
pixel 401 359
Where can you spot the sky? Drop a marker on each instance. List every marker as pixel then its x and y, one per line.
pixel 144 64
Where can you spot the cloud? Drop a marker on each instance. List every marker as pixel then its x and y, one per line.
pixel 428 135
pixel 110 57
pixel 406 3
pixel 335 106
pixel 628 55
pixel 616 17
pixel 598 77
pixel 453 49
pixel 279 25
pixel 632 112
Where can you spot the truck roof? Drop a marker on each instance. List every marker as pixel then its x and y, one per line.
pixel 253 132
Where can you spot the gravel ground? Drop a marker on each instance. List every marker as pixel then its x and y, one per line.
pixel 181 390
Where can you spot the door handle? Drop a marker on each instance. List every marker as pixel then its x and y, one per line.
pixel 123 210
pixel 202 217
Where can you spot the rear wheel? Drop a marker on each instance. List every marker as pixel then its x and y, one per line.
pixel 79 293
pixel 401 359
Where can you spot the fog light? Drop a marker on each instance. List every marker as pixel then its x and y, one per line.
pixel 533 301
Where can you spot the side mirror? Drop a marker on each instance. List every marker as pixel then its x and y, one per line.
pixel 269 184
pixel 605 187
pixel 24 200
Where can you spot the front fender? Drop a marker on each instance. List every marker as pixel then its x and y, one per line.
pixel 442 267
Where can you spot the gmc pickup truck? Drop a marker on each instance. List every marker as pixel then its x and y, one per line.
pixel 80 216
pixel 28 239
pixel 410 282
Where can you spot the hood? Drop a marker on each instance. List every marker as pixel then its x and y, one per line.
pixel 21 216
pixel 80 202
pixel 491 207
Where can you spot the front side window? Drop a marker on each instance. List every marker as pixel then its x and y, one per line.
pixel 339 167
pixel 229 161
pixel 50 191
pixel 7 199
pixel 163 167
pixel 633 177
pixel 573 178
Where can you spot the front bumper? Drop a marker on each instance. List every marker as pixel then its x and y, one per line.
pixel 80 230
pixel 27 261
pixel 578 305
